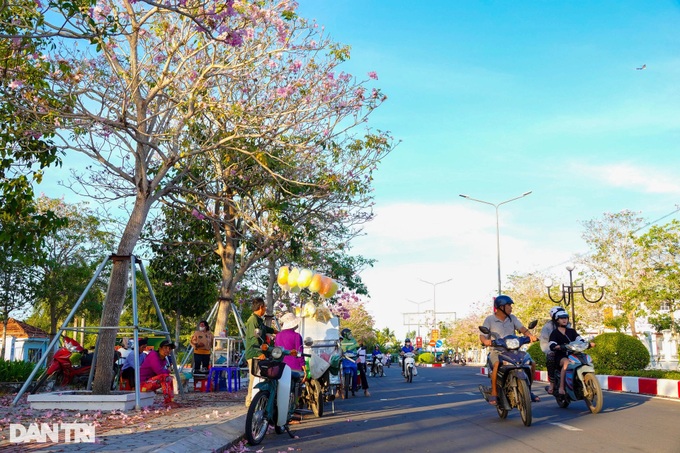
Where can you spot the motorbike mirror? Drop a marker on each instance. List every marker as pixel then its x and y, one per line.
pixel 264 347
pixel 533 323
pixel 484 330
pixel 258 332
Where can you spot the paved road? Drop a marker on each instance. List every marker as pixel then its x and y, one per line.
pixel 442 411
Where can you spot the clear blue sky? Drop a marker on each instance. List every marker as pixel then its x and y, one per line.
pixel 493 99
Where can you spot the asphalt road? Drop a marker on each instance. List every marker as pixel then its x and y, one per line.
pixel 442 411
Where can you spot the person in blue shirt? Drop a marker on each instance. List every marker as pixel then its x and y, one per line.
pixel 128 369
pixel 408 347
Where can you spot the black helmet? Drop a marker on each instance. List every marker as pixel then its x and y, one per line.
pixel 345 332
pixel 408 340
pixel 501 300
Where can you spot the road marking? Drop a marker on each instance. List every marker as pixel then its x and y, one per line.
pixel 567 427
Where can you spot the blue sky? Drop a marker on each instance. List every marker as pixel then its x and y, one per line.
pixel 493 99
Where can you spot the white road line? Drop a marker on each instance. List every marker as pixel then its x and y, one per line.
pixel 567 427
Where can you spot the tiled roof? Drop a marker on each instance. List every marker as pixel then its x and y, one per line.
pixel 20 329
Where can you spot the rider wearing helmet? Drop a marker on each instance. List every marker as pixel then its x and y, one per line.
pixel 503 323
pixel 349 344
pixel 407 348
pixel 544 337
pixel 561 336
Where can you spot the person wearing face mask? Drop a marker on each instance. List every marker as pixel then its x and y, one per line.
pixel 202 341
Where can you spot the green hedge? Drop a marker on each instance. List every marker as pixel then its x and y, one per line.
pixel 618 351
pixel 425 357
pixel 15 371
pixel 537 355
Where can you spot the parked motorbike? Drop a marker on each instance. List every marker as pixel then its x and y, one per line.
pixel 377 368
pixel 70 365
pixel 513 382
pixel 410 369
pixel 315 391
pixel 580 380
pixel 275 394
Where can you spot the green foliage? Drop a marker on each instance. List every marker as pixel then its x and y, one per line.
pixel 663 322
pixel 538 355
pixel 655 374
pixel 15 371
pixel 425 357
pixel 618 351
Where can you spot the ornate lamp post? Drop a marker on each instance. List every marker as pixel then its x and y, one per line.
pixel 498 234
pixel 418 304
pixel 434 297
pixel 568 292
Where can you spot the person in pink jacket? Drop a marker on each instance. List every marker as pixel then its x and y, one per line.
pixel 154 374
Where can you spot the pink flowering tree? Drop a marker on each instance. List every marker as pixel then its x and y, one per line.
pixel 191 101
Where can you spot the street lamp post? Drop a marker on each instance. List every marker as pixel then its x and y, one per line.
pixel 418 304
pixel 568 292
pixel 434 297
pixel 498 234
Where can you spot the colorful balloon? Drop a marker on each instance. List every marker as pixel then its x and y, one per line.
pixel 284 286
pixel 325 285
pixel 293 277
pixel 332 289
pixel 283 275
pixel 305 278
pixel 315 284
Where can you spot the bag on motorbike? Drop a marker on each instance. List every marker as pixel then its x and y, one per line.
pixel 269 369
pixel 318 366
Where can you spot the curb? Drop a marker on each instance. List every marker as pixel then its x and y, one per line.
pixel 217 438
pixel 668 388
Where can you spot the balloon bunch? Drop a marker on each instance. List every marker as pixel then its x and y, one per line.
pixel 295 279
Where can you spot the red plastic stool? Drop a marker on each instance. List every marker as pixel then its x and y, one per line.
pixel 200 384
pixel 124 384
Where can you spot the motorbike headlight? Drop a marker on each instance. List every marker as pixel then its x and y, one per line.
pixel 512 343
pixel 277 353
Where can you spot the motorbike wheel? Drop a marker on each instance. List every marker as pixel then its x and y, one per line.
pixel 502 412
pixel 524 401
pixel 409 376
pixel 593 393
pixel 256 419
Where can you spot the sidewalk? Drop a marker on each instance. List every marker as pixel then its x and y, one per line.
pixel 204 422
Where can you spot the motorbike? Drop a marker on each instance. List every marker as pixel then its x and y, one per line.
pixel 514 375
pixel 377 367
pixel 275 394
pixel 410 369
pixel 316 390
pixel 70 365
pixel 580 380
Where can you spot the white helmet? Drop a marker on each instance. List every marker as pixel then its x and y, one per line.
pixel 558 312
pixel 555 310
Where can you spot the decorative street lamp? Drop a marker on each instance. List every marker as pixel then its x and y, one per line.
pixel 498 234
pixel 434 297
pixel 418 303
pixel 568 292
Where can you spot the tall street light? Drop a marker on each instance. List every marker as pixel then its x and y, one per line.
pixel 418 304
pixel 434 297
pixel 568 292
pixel 498 234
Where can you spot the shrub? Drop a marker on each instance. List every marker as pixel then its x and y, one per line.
pixel 425 357
pixel 15 371
pixel 537 355
pixel 618 351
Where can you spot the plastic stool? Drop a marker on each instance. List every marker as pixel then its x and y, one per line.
pixel 200 384
pixel 233 376
pixel 213 378
pixel 124 384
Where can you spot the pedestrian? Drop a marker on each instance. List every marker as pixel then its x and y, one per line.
pixel 256 333
pixel 154 374
pixel 128 369
pixel 361 366
pixel 202 342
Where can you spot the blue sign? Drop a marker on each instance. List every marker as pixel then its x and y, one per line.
pixel 438 344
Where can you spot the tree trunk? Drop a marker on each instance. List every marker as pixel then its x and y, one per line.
pixel 115 298
pixel 4 337
pixel 271 267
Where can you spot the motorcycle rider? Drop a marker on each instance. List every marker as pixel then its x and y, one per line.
pixel 407 348
pixel 376 352
pixel 560 337
pixel 544 338
pixel 503 323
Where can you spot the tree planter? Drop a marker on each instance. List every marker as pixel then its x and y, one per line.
pixel 84 400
